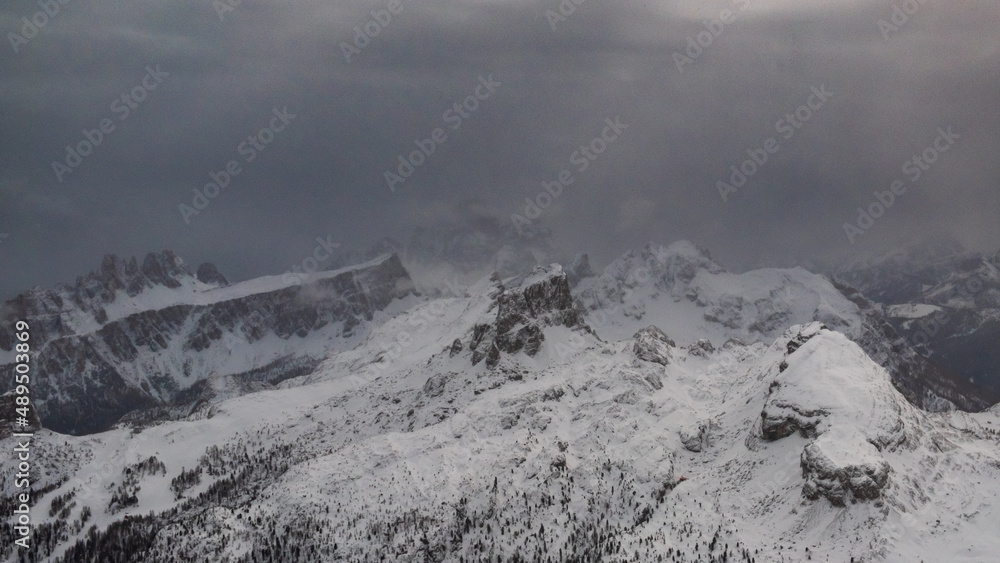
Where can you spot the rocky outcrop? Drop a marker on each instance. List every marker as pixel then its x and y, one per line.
pixel 702 348
pixel 786 415
pixel 782 420
pixel 208 273
pixel 652 345
pixel 434 386
pixel 524 307
pixel 841 466
pixel 826 389
pixel 694 437
pixel 85 382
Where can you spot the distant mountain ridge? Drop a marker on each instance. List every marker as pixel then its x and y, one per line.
pixel 124 338
pixel 154 340
pixel 944 301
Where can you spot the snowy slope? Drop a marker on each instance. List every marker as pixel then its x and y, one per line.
pixel 680 289
pixel 607 442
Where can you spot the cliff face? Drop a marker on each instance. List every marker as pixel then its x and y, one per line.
pixel 524 307
pixel 129 338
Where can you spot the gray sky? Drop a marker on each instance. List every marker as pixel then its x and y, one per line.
pixel 220 79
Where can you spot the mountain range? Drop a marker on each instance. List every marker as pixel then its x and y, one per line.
pixel 662 409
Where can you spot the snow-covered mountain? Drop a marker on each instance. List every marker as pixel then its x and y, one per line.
pixel 681 287
pixel 665 410
pixel 459 250
pixel 159 341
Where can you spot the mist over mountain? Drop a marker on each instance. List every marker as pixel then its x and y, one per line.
pixel 661 407
pixel 458 281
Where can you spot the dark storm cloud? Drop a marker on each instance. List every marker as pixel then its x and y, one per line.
pixel 323 174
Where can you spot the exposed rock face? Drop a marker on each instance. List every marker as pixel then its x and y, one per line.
pixel 702 348
pixel 652 345
pixel 842 466
pixel 158 269
pixel 523 308
pixel 86 381
pixel 694 437
pixel 53 310
pixel 43 307
pixel 779 421
pixel 802 336
pixel 434 386
pixel 783 416
pixel 208 273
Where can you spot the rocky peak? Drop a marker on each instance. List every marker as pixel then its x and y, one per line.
pixel 670 269
pixel 115 274
pixel 101 287
pixel 653 345
pixel 840 466
pixel 56 309
pixel 208 273
pixel 524 306
pixel 162 268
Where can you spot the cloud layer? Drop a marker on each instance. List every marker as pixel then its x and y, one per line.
pixel 700 85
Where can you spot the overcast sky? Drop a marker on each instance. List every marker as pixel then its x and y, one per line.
pixel 198 79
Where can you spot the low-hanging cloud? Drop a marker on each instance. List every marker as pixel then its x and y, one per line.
pixel 325 176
